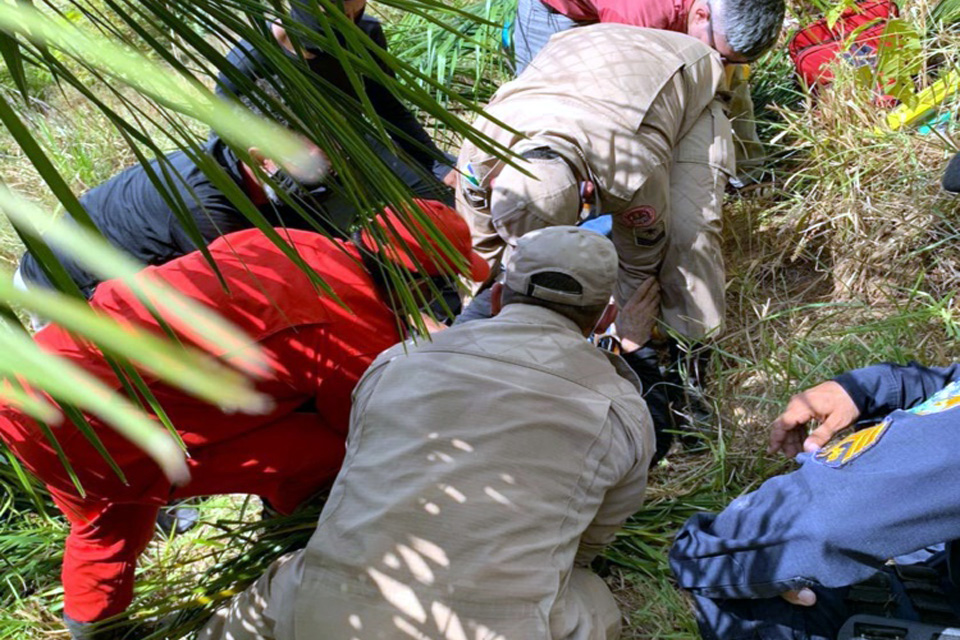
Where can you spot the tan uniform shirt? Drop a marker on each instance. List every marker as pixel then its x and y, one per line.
pixel 481 468
pixel 619 100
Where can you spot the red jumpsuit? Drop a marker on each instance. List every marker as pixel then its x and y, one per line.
pixel 317 351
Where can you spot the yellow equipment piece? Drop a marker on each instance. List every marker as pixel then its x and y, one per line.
pixel 928 100
pixel 732 70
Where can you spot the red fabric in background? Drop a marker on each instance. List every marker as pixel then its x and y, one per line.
pixel 316 351
pixel 670 15
pixel 813 48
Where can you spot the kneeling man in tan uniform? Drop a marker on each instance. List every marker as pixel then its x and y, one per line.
pixel 618 120
pixel 484 471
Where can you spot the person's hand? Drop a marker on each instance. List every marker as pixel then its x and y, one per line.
pixel 431 324
pixel 802 597
pixel 635 321
pixel 451 178
pixel 827 403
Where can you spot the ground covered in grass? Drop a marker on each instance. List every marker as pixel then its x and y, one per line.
pixel 843 254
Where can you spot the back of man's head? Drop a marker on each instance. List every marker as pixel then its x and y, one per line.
pixel 750 26
pixel 569 270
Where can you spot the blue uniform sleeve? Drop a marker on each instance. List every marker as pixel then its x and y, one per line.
pixel 884 388
pixel 878 494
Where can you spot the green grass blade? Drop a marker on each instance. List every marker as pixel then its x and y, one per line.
pixel 69 384
pixel 86 429
pixel 10 50
pixel 133 376
pixel 191 99
pixel 62 456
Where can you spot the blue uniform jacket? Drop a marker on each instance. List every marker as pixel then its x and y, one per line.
pixel 889 489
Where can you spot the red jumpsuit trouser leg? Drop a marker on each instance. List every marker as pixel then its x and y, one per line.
pixel 286 461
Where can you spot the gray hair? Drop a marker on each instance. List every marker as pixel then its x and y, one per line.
pixel 751 26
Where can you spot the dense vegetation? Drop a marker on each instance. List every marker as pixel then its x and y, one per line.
pixel 844 253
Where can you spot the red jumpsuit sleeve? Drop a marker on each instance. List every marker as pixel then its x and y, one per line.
pixel 322 363
pixel 100 557
pixel 340 364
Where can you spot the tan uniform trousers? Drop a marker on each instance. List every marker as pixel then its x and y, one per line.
pixel 266 610
pixel 743 118
pixel 692 275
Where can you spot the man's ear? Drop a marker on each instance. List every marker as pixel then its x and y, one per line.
pixel 496 298
pixel 699 19
pixel 588 191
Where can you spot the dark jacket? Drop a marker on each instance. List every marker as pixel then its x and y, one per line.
pixel 255 66
pixel 133 215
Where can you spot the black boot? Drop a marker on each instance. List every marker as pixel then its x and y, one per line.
pixel 267 510
pixel 645 362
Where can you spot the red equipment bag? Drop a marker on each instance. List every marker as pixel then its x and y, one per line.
pixel 815 47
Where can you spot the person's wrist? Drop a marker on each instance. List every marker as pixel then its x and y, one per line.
pixel 629 346
pixel 850 383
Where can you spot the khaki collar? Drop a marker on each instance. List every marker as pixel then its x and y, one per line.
pixel 532 314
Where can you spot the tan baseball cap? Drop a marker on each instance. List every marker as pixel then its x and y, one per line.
pixel 548 196
pixel 584 255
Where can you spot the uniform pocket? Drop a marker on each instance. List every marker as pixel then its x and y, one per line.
pixel 709 141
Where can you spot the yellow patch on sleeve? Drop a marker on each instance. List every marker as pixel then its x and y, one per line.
pixel 851 447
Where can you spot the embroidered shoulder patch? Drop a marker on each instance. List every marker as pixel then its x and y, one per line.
pixel 642 216
pixel 851 447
